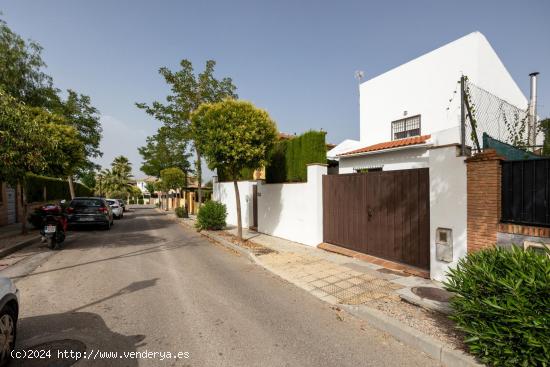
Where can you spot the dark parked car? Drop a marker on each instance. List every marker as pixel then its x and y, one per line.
pixel 90 211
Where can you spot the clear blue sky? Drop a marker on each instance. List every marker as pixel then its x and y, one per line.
pixel 294 58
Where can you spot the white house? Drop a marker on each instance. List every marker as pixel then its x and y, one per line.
pixel 410 118
pixel 419 99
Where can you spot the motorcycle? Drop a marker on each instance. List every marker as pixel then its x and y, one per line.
pixel 54 225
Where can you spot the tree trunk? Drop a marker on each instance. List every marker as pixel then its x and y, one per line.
pixel 71 187
pixel 239 221
pixel 23 187
pixel 198 165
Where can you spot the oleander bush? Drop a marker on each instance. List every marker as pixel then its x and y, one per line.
pixel 181 212
pixel 211 216
pixel 502 303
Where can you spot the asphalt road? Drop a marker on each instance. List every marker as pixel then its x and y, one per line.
pixel 152 285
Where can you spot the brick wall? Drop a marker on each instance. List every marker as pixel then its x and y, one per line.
pixel 483 203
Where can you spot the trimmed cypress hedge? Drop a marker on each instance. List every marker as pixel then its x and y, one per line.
pixel 245 174
pixel 56 189
pixel 288 160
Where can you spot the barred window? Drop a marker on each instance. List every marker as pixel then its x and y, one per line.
pixel 405 128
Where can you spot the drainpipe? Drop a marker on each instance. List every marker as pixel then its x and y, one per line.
pixel 533 111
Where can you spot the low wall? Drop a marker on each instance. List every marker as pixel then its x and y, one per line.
pixel 293 211
pixel 448 207
pixel 224 192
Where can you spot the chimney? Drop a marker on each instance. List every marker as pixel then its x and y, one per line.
pixel 532 128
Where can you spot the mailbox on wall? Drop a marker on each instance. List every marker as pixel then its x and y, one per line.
pixel 444 244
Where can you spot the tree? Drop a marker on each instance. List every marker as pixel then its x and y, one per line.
pixel 21 74
pixel 88 177
pixel 67 151
pixel 117 181
pixel 188 92
pixel 172 179
pixel 234 135
pixel 150 186
pixel 82 116
pixel 162 151
pixel 22 148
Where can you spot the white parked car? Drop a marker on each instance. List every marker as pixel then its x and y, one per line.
pixel 116 208
pixel 9 312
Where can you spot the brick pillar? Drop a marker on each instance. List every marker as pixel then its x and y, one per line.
pixel 483 203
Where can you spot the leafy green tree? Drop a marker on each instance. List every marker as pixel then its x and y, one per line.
pixel 150 186
pixel 162 151
pixel 21 70
pixel 234 135
pixel 79 113
pixel 172 179
pixel 67 151
pixel 22 147
pixel 88 177
pixel 188 92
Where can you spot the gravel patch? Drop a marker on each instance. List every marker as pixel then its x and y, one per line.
pixel 432 323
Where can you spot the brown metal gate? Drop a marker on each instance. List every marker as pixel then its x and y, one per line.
pixel 384 214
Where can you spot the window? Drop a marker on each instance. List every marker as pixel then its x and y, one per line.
pixel 405 128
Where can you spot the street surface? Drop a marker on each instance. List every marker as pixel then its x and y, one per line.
pixel 150 285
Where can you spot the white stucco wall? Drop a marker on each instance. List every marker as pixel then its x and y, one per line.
pixel 224 192
pixel 425 85
pixel 293 211
pixel 389 160
pixel 447 205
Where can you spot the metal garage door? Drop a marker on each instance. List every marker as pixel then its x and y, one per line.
pixel 384 214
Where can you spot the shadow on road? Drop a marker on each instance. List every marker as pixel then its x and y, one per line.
pixel 134 287
pixel 73 331
pixel 160 248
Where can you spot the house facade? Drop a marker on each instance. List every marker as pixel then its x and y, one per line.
pixel 421 98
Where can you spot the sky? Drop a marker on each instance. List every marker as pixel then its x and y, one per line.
pixel 296 59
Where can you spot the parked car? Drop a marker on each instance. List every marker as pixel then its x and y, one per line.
pixel 117 209
pixel 122 204
pixel 90 211
pixel 9 312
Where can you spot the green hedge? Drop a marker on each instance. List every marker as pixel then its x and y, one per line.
pixel 245 174
pixel 56 189
pixel 502 303
pixel 288 160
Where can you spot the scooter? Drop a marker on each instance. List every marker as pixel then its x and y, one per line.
pixel 54 225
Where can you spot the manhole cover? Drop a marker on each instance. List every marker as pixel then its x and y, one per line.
pixel 434 294
pixel 60 353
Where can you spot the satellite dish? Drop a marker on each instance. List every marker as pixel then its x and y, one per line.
pixel 359 74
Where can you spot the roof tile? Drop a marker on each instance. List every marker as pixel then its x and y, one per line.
pixel 391 144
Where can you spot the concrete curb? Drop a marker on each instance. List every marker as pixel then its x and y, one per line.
pixel 222 241
pixel 18 246
pixel 403 333
pixel 412 337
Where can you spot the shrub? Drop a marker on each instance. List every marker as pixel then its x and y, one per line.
pixel 288 160
pixel 56 189
pixel 502 303
pixel 211 216
pixel 181 212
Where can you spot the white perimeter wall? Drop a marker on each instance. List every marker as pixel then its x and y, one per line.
pixel 224 192
pixel 447 205
pixel 294 211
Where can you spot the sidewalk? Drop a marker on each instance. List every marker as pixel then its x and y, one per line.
pixel 12 240
pixel 361 288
